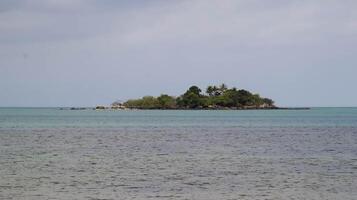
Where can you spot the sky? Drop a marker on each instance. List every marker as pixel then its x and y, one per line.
pixel 94 52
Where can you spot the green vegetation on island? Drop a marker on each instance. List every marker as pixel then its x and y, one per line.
pixel 215 97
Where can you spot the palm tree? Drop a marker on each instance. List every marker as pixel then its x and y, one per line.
pixel 210 90
pixel 223 87
pixel 216 91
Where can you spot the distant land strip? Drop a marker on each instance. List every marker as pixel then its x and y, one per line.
pixel 214 98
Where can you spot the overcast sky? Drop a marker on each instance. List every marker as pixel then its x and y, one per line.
pixel 89 52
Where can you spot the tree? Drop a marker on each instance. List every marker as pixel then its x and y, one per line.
pixel 192 98
pixel 222 88
pixel 149 102
pixel 217 96
pixel 166 101
pixel 244 98
pixel 257 100
pixel 268 102
pixel 231 97
pixel 133 103
pixel 210 90
pixel 216 90
pixel 194 89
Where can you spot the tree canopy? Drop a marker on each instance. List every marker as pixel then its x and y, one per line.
pixel 215 97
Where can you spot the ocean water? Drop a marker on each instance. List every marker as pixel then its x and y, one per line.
pixel 47 153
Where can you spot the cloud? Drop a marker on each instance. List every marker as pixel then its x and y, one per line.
pixel 164 46
pixel 253 23
pixel 248 22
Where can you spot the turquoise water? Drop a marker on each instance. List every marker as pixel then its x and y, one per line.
pixel 48 153
pixel 56 118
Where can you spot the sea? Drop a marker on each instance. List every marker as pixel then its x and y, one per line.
pixel 54 154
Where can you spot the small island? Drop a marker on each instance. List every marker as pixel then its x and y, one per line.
pixel 215 97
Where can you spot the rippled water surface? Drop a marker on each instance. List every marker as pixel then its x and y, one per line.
pixel 277 154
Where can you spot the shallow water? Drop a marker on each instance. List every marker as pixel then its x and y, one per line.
pixel 266 154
